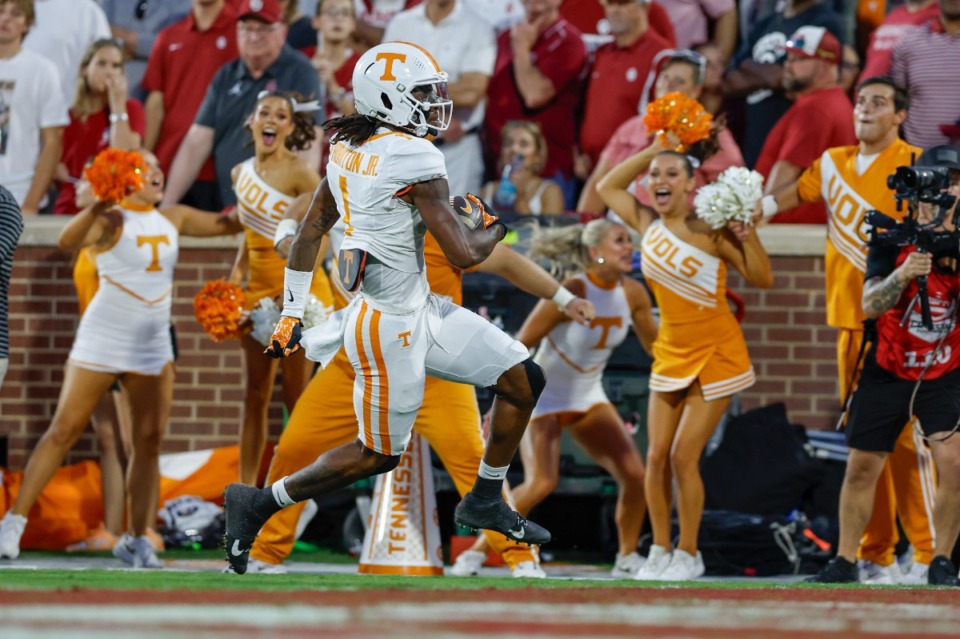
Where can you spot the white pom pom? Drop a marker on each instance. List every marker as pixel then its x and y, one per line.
pixel 264 318
pixel 734 196
pixel 315 312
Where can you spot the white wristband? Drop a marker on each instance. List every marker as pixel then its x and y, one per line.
pixel 285 228
pixel 296 286
pixel 562 297
pixel 118 117
pixel 769 206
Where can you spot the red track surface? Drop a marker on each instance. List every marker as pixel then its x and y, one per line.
pixel 789 612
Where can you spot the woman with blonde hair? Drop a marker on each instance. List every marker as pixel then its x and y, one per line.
pixel 267 185
pixel 523 154
pixel 573 358
pixel 124 336
pixel 101 116
pixel 700 356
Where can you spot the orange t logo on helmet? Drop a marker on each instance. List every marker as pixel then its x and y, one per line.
pixel 390 58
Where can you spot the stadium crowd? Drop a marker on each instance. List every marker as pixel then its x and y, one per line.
pixel 824 98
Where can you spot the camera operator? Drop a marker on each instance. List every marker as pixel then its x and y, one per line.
pixel 853 180
pixel 912 371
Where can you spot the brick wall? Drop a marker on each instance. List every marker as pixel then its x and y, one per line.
pixel 793 352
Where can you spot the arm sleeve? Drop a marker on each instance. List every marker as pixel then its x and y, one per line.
pixel 483 51
pixel 810 182
pixel 881 261
pixel 803 144
pixel 564 65
pixel 414 160
pixel 51 104
pixel 154 74
pixel 137 117
pixel 207 113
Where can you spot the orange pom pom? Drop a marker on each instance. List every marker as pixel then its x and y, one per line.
pixel 218 307
pixel 115 174
pixel 681 115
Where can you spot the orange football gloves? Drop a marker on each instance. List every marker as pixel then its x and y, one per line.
pixel 285 340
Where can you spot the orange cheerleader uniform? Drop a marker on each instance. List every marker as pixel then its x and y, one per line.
pixel 699 338
pixel 261 207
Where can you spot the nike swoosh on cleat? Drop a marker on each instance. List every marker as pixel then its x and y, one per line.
pixel 235 549
pixel 519 533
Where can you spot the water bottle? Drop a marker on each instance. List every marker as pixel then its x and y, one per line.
pixel 506 194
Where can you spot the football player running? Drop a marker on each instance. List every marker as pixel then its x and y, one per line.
pixel 388 184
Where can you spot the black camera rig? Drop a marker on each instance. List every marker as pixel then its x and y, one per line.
pixel 915 184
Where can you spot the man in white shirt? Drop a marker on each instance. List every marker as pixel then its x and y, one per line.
pixel 32 111
pixel 465 47
pixel 63 31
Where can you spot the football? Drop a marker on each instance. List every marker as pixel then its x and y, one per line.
pixel 468 212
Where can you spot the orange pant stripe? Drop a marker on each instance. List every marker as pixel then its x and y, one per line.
pixel 383 385
pixel 367 380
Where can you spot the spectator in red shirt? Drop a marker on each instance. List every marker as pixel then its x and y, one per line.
pixel 681 72
pixel 333 59
pixel 590 19
pixel 177 80
pixel 538 76
pixel 618 78
pixel 101 116
pixel 879 53
pixel 821 117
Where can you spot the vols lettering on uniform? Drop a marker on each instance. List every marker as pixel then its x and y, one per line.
pixel 661 246
pixel 154 241
pixel 847 228
pixel 253 196
pixel 686 270
pixel 354 161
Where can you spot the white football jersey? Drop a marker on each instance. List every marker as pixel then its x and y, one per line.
pixel 365 181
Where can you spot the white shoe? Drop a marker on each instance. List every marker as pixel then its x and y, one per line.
pixel 876 575
pixel 683 567
pixel 528 570
pixel 916 576
pixel 627 566
pixel 468 563
pixel 657 561
pixel 11 530
pixel 137 551
pixel 263 568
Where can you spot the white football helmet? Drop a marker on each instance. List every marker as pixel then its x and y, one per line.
pixel 401 84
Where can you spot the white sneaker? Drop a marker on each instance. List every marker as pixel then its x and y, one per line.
pixel 657 561
pixel 876 575
pixel 529 570
pixel 468 563
pixel 11 530
pixel 916 576
pixel 683 567
pixel 137 551
pixel 263 568
pixel 626 566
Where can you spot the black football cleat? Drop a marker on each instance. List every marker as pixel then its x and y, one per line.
pixel 242 525
pixel 837 571
pixel 496 515
pixel 942 573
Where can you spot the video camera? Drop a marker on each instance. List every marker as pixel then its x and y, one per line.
pixel 915 184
